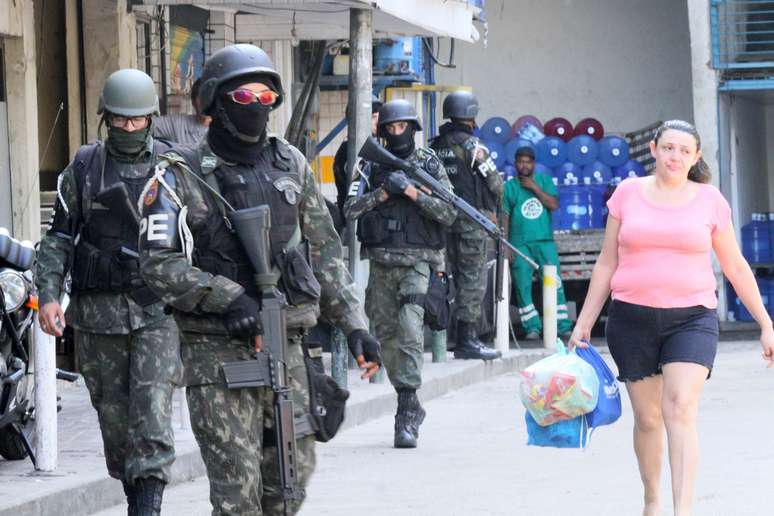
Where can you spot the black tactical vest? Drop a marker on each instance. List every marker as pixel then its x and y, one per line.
pixel 106 257
pixel 271 181
pixel 398 222
pixel 468 183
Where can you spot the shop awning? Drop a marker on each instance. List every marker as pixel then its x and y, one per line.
pixel 324 19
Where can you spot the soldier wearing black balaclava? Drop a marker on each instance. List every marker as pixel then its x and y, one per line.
pixel 194 261
pixel 476 180
pixel 402 229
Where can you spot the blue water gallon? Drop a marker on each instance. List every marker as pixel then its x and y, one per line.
pixel 613 151
pixel 398 56
pixel 574 203
pixel 764 286
pixel 568 173
pixel 582 150
pixel 631 168
pixel 496 152
pixel 513 145
pixel 597 206
pixel 596 174
pixel 496 129
pixel 770 307
pixel 551 151
pixel 756 239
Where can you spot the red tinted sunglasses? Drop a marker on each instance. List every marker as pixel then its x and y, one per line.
pixel 245 97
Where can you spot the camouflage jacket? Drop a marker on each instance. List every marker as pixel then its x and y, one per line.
pixel 192 292
pixel 432 207
pixel 92 311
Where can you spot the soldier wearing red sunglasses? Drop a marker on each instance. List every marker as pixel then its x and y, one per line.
pixel 191 258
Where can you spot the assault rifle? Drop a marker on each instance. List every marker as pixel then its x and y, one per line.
pixel 372 151
pixel 269 368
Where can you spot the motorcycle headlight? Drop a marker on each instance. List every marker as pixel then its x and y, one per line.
pixel 14 289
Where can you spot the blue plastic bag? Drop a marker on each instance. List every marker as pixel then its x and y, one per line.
pixel 608 408
pixel 570 433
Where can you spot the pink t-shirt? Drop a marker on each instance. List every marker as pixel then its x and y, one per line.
pixel 664 251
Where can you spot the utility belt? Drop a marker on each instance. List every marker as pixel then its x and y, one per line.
pixel 116 271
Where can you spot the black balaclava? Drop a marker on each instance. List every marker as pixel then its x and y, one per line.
pixel 402 145
pixel 238 133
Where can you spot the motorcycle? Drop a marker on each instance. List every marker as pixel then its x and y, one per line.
pixel 18 304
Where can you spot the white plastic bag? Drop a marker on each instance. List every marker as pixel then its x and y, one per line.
pixel 560 387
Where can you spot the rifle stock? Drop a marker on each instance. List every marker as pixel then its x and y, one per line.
pixel 372 151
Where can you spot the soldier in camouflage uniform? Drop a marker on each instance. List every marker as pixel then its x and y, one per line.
pixel 199 267
pixel 402 233
pixel 127 347
pixel 476 180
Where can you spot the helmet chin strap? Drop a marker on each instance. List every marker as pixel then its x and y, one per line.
pixel 231 128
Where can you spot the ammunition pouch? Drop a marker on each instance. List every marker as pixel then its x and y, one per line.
pixel 297 279
pixel 437 301
pixel 109 271
pixel 327 401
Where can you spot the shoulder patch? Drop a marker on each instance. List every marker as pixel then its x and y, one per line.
pixel 290 188
pixel 151 193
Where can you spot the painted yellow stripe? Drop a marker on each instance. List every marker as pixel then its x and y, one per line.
pixel 326 169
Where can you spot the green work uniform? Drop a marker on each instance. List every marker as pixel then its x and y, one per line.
pixel 531 233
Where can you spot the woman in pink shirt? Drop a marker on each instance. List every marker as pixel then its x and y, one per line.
pixel 662 327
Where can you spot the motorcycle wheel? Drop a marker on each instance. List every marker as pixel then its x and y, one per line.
pixel 11 445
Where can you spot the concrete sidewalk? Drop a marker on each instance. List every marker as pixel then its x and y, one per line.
pixel 81 484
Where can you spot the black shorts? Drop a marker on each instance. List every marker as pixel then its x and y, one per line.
pixel 642 339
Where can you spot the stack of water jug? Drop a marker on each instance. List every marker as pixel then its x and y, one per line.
pixel 757 240
pixel 584 163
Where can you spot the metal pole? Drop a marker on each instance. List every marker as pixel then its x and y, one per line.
pixel 550 287
pixel 439 346
pixel 339 358
pixel 502 337
pixel 44 363
pixel 358 130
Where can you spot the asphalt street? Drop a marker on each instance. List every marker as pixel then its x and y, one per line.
pixel 473 460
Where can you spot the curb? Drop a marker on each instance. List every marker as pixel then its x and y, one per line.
pixel 104 492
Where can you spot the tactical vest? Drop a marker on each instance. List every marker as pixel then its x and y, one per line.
pixel 468 184
pixel 397 223
pixel 106 257
pixel 272 181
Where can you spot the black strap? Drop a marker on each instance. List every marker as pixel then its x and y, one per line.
pixel 413 299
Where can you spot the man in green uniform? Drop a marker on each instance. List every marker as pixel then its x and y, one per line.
pixel 127 347
pixel 527 204
pixel 402 231
pixel 476 180
pixel 192 259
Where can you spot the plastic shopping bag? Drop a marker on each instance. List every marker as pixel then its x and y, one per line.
pixel 560 387
pixel 608 408
pixel 570 433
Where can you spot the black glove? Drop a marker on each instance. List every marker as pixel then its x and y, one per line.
pixel 396 183
pixel 361 342
pixel 243 318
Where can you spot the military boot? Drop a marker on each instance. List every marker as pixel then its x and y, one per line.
pixel 129 491
pixel 409 417
pixel 468 345
pixel 148 494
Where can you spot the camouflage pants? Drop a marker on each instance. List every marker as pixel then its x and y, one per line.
pixel 467 258
pixel 230 425
pixel 398 322
pixel 131 379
